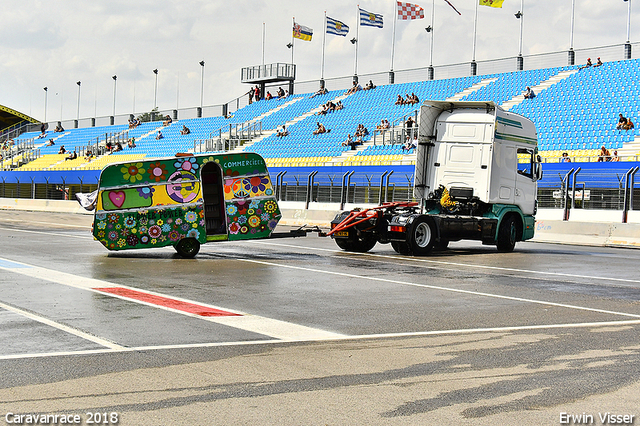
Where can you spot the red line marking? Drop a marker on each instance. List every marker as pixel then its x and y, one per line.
pixel 167 302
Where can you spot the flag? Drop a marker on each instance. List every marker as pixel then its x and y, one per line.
pixel 453 7
pixel 336 27
pixel 303 33
pixel 491 3
pixel 409 11
pixel 369 19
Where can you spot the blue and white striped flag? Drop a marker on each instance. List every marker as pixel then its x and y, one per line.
pixel 369 19
pixel 336 27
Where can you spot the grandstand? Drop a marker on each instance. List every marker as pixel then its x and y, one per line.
pixel 575 111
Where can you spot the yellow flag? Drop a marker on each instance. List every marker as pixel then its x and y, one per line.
pixel 491 3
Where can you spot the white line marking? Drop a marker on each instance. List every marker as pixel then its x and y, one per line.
pixel 62 327
pixel 445 263
pixel 337 338
pixel 253 323
pixel 454 290
pixel 44 223
pixel 49 233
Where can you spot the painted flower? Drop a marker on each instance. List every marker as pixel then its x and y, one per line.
pixel 234 228
pixel 272 224
pixel 202 222
pixel 265 216
pixel 195 225
pixel 145 191
pixel 101 216
pixel 254 221
pixel 144 219
pixel 152 222
pixel 134 231
pixel 244 230
pixel 243 206
pixel 242 219
pixel 157 172
pixel 191 217
pixel 187 164
pixel 231 210
pixel 169 220
pixel 125 232
pixel 178 221
pixel 143 229
pixel 129 222
pixel 113 218
pixel 194 233
pixel 155 231
pixel 174 235
pixel 118 226
pixel 101 234
pixel 254 204
pixel 113 235
pixel 271 206
pixel 159 222
pixel 254 230
pixel 132 172
pixel 144 239
pixel 256 184
pixel 133 240
pixel 201 214
pixel 102 225
pixel 162 238
pixel 251 211
pixel 262 228
pixel 166 227
pixel 206 160
pixel 268 191
pixel 185 227
pixel 231 173
pixel 154 241
pixel 121 242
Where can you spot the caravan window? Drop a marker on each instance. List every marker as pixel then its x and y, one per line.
pixel 525 162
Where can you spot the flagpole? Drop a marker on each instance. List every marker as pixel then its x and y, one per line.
pixel 572 55
pixel 355 66
pixel 324 40
pixel 475 28
pixel 393 42
pixel 292 39
pixel 433 14
pixel 263 38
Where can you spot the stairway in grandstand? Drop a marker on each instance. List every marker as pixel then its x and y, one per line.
pixel 537 89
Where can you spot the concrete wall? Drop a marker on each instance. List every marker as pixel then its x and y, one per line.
pixel 585 227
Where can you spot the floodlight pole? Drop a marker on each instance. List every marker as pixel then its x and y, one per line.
pixel 627 46
pixel 155 91
pixel 474 66
pixel 572 54
pixel 113 117
pixel 46 92
pixel 79 83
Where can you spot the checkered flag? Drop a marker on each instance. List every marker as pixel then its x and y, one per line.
pixel 409 11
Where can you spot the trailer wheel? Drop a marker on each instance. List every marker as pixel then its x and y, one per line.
pixel 507 235
pixel 421 236
pixel 188 247
pixel 400 247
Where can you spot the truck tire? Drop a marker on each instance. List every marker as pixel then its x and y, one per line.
pixel 356 244
pixel 507 235
pixel 400 247
pixel 187 247
pixel 421 235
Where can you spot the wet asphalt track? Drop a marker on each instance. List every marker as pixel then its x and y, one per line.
pixel 302 333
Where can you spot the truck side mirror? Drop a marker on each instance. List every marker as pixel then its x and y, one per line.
pixel 538 167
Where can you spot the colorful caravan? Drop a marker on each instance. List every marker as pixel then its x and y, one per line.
pixel 185 201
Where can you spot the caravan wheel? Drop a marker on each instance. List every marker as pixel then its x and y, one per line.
pixel 188 247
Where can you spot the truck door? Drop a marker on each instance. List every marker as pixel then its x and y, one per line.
pixel 213 197
pixel 526 181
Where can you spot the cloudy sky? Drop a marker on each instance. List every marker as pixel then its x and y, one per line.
pixel 57 43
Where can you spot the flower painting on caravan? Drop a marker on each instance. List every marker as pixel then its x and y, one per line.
pixel 184 201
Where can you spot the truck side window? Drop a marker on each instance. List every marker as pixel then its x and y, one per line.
pixel 525 162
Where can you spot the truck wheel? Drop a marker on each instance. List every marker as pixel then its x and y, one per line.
pixel 507 235
pixel 358 245
pixel 188 247
pixel 400 247
pixel 421 236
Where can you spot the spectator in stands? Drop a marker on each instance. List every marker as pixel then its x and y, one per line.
pixel 598 63
pixel 356 87
pixel 349 141
pixel 320 129
pixel 565 158
pixel 268 96
pixel 629 125
pixel 369 86
pixel 605 155
pixel 280 93
pixel 622 121
pixel 167 120
pixel 409 145
pixel 59 128
pixel 282 132
pixel 412 99
pixel 88 155
pixel 159 135
pixel 256 93
pixel 400 100
pixel 361 131
pixel 185 130
pixel 529 93
pixel 118 147
pixel 339 105
pixel 409 125
pixel 50 143
pixel 587 65
pixel 322 91
pixel 72 156
pixel 131 143
pixel 615 156
pixel 62 150
pixel 324 110
pixel 251 95
pixel 381 125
